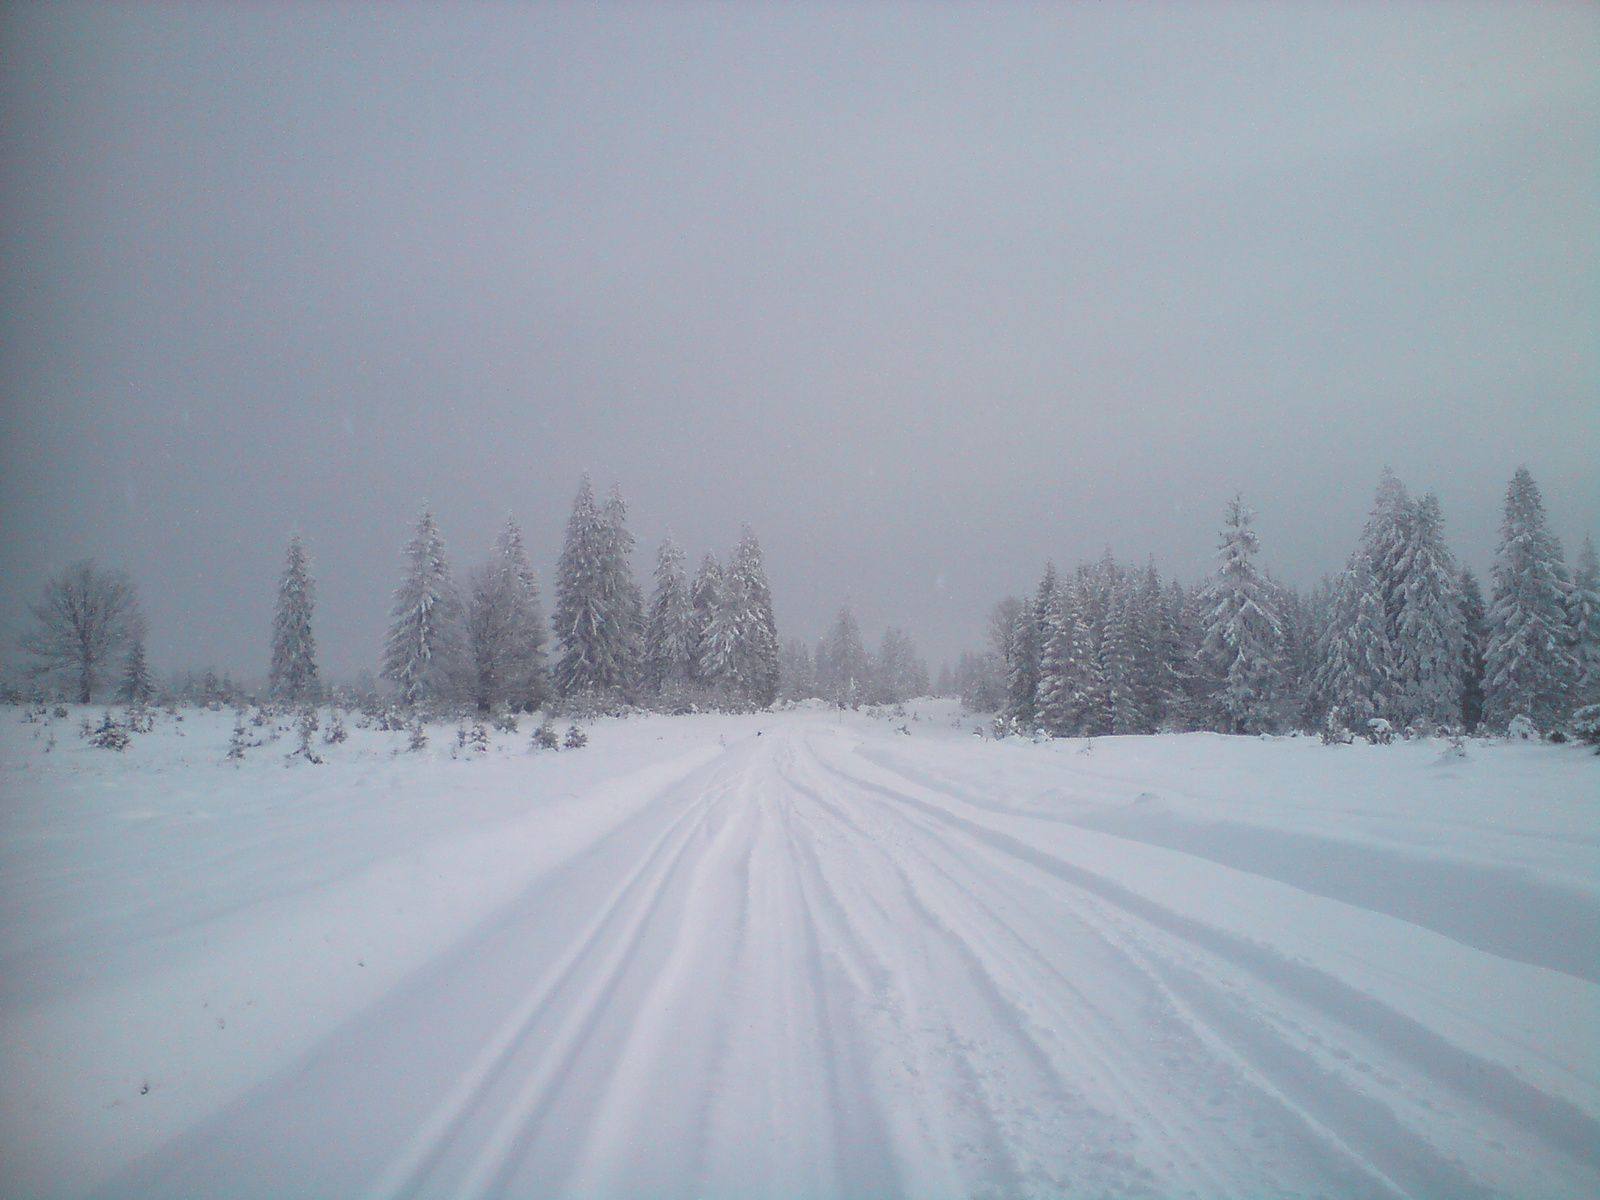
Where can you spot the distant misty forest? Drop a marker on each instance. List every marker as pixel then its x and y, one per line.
pixel 1401 641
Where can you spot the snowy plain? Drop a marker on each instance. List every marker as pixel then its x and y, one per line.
pixel 803 953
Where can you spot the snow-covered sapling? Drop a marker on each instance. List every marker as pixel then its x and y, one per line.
pixel 545 737
pixel 1522 729
pixel 308 727
pixel 336 729
pixel 576 738
pixel 419 737
pixel 237 743
pixel 478 739
pixel 109 735
pixel 1334 731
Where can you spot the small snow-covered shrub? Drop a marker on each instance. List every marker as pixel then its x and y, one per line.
pixel 576 738
pixel 419 737
pixel 1585 724
pixel 308 726
pixel 391 720
pixel 1334 731
pixel 1379 731
pixel 109 735
pixel 505 720
pixel 1522 729
pixel 545 737
pixel 336 731
pixel 239 742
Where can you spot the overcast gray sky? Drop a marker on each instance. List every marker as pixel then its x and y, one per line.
pixel 926 293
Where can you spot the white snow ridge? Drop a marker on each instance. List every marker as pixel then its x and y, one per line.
pixel 795 954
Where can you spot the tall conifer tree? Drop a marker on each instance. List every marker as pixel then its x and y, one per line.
pixel 669 649
pixel 1243 646
pixel 505 627
pixel 423 655
pixel 292 676
pixel 1428 631
pixel 1584 619
pixel 1528 665
pixel 1474 641
pixel 599 613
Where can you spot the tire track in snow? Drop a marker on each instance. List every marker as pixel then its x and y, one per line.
pixel 630 903
pixel 1018 997
pixel 1488 1085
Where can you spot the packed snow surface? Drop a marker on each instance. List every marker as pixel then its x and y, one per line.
pixel 796 954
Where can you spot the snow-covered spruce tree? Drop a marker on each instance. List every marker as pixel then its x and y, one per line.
pixel 1352 679
pixel 797 678
pixel 1148 634
pixel 705 595
pixel 1474 641
pixel 423 653
pixel 758 625
pixel 1386 540
pixel 137 685
pixel 1428 629
pixel 978 681
pixel 1003 645
pixel 629 596
pixel 1583 618
pixel 1358 668
pixel 505 628
pixel 1243 640
pixel 1089 705
pixel 720 650
pixel 1528 666
pixel 1299 665
pixel 1175 652
pixel 292 676
pixel 668 643
pixel 1118 660
pixel 901 673
pixel 740 654
pixel 1053 696
pixel 843 668
pixel 1022 705
pixel 598 614
pixel 526 677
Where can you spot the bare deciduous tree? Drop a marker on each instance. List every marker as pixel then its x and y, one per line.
pixel 86 616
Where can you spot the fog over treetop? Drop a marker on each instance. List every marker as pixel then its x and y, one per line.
pixel 925 295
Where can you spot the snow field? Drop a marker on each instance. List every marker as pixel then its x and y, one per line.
pixel 828 960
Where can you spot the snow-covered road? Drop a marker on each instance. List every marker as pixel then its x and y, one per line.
pixel 826 960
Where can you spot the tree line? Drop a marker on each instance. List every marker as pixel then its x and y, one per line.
pixel 709 643
pixel 482 643
pixel 1399 640
pixel 842 671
